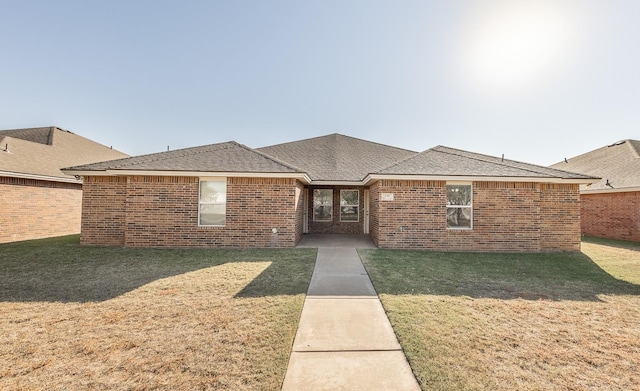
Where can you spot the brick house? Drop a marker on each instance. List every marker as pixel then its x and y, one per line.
pixel 38 200
pixel 610 207
pixel 230 195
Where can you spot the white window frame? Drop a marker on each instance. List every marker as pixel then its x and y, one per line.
pixel 357 206
pixel 201 203
pixel 330 219
pixel 470 206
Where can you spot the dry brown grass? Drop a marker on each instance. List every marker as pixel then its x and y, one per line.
pixel 171 319
pixel 507 321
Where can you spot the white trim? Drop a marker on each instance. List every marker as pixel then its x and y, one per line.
pixel 451 178
pixel 337 183
pixel 303 177
pixel 614 190
pixel 365 227
pixel 470 207
pixel 39 177
pixel 295 175
pixel 200 203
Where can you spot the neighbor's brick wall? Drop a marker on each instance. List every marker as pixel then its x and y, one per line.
pixel 35 209
pixel 611 215
pixel 163 212
pixel 336 226
pixel 507 216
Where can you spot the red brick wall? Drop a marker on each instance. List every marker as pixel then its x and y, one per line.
pixel 103 210
pixel 611 215
pixel 507 216
pixel 153 211
pixel 559 217
pixel 34 209
pixel 336 226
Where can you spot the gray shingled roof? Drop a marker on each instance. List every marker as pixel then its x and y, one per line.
pixel 618 163
pixel 336 157
pixel 445 161
pixel 42 152
pixel 222 157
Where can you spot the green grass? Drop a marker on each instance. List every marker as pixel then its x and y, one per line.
pixel 76 317
pixel 514 321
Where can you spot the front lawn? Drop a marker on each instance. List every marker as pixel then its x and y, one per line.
pixel 95 318
pixel 515 321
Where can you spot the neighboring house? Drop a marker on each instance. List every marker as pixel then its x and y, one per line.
pixel 610 207
pixel 230 195
pixel 38 200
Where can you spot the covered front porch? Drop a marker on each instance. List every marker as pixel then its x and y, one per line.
pixel 336 209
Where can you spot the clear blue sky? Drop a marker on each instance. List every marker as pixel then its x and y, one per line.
pixel 535 80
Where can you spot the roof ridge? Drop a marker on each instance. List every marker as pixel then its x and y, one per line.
pixel 401 160
pixel 481 155
pixel 342 135
pixel 267 156
pixel 634 150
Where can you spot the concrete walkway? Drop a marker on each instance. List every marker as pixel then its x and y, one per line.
pixel 344 340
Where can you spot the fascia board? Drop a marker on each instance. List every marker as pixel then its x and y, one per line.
pixel 614 190
pixel 300 176
pixel 39 177
pixel 337 183
pixel 376 177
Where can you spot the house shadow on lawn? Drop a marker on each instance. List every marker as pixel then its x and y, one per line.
pixel 60 270
pixel 540 276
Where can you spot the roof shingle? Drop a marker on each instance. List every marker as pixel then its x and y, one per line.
pixel 45 151
pixel 223 157
pixel 617 164
pixel 445 161
pixel 336 157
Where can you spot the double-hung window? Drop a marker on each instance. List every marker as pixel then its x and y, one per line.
pixel 459 206
pixel 349 205
pixel 212 202
pixel 322 204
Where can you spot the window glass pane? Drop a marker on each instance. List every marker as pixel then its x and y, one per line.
pixel 458 194
pixel 349 203
pixel 322 213
pixel 213 191
pixel 349 213
pixel 459 217
pixel 212 214
pixel 322 197
pixel 322 204
pixel 349 197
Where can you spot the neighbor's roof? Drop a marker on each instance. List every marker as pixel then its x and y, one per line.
pixel 336 157
pixel 40 153
pixel 227 157
pixel 618 164
pixel 445 161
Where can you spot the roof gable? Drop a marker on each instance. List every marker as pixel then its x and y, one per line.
pixel 336 157
pixel 618 164
pixel 445 161
pixel 223 157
